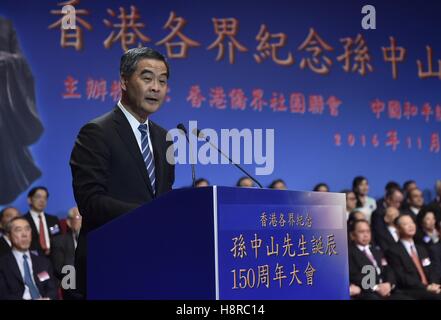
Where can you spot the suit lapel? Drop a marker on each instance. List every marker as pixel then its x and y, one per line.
pixel 125 132
pixel 361 256
pixel 12 264
pixel 407 257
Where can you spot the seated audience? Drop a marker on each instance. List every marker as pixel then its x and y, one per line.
pixel 386 235
pixel 360 186
pixel 6 215
pixel 389 186
pixel 64 246
pixel 245 182
pixel 427 232
pixel 201 183
pixel 24 275
pixel 414 202
pixel 414 270
pixel 278 184
pixel 393 198
pixel 351 201
pixel 362 254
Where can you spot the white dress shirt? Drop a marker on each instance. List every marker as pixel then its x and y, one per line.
pixel 393 231
pixel 19 258
pixel 408 245
pixel 134 124
pixel 35 217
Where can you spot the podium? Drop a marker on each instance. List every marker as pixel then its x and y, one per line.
pixel 224 243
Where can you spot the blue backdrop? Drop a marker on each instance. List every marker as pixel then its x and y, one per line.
pixel 350 116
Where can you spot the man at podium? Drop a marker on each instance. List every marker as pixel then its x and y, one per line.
pixel 119 159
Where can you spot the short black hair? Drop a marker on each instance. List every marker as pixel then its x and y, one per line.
pixel 407 184
pixel 197 181
pixel 8 226
pixel 392 185
pixel 423 213
pixel 321 184
pixel 131 57
pixel 34 190
pixel 273 184
pixel 356 182
pixel 238 183
pixel 390 193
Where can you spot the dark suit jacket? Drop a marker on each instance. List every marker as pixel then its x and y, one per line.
pixel 12 283
pixel 62 252
pixel 383 238
pixel 405 270
pixel 109 174
pixel 435 254
pixel 377 219
pixel 4 247
pixel 357 260
pixel 53 229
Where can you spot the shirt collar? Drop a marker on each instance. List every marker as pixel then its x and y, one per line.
pixel 35 214
pixel 19 254
pixel 134 123
pixel 362 248
pixel 408 244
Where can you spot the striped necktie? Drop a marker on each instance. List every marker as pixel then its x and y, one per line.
pixel 147 155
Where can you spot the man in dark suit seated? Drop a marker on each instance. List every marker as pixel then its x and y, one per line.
pixel 64 245
pixel 44 226
pixel 63 248
pixel 386 234
pixel 415 272
pixel 415 202
pixel 119 161
pixel 435 205
pixel 6 215
pixel 435 254
pixel 362 254
pixel 24 275
pixel 393 198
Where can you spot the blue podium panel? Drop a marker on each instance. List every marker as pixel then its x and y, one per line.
pixel 223 243
pixel 276 244
pixel 162 250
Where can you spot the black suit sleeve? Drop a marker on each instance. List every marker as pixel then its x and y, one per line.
pixel 90 165
pixel 355 275
pixel 58 255
pixel 50 288
pixel 4 292
pixel 435 255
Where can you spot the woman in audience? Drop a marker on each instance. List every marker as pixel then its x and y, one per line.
pixel 366 204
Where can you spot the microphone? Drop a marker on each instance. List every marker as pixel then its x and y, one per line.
pixel 193 174
pixel 198 133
